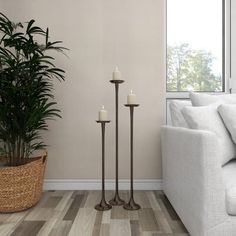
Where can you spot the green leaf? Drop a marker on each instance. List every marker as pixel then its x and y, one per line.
pixel 27 70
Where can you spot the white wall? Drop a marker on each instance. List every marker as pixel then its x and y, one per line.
pixel 100 35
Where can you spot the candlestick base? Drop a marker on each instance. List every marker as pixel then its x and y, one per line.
pixel 117 201
pixel 103 206
pixel 131 205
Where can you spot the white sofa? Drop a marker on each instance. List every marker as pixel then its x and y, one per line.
pixel 199 188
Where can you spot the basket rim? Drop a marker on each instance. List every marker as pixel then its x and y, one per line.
pixel 37 158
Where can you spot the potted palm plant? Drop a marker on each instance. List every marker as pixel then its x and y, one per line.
pixel 27 72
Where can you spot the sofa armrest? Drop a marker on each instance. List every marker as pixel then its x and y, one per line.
pixel 192 177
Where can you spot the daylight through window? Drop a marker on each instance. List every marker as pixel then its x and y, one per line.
pixel 195 45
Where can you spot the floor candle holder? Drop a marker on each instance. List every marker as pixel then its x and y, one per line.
pixel 103 205
pixel 131 205
pixel 117 201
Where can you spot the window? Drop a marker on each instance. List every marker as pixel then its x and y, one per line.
pixel 195 45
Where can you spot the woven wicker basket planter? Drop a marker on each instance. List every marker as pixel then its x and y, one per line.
pixel 21 186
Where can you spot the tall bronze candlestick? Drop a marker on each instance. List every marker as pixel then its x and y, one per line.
pixel 117 201
pixel 131 205
pixel 103 205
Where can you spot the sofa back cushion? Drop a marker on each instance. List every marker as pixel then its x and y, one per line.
pixel 228 114
pixel 202 99
pixel 176 107
pixel 208 118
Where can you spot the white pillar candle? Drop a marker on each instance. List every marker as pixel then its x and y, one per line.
pixel 102 115
pixel 116 74
pixel 131 98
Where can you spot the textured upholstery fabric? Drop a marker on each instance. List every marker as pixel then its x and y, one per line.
pixel 228 114
pixel 201 99
pixel 176 106
pixel 231 201
pixel 193 181
pixel 229 174
pixel 208 118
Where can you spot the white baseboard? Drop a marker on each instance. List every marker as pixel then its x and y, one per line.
pixel 95 184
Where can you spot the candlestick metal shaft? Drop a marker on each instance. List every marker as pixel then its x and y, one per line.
pixel 103 205
pixel 131 205
pixel 117 201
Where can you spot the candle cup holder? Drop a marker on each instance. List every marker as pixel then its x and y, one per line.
pixel 103 205
pixel 117 201
pixel 131 205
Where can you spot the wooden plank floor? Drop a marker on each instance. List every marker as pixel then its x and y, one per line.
pixel 72 213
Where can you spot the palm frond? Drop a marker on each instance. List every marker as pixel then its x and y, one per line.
pixel 27 102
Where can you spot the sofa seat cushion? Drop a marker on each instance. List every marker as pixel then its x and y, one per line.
pixel 229 174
